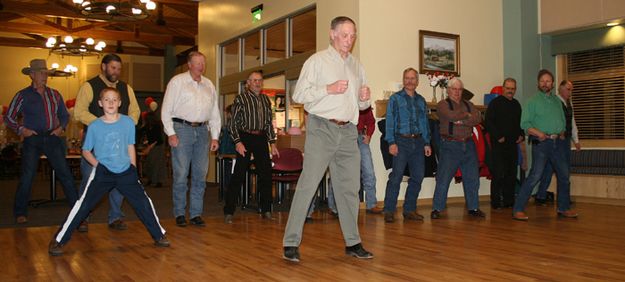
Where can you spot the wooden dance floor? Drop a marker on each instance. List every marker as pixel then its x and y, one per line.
pixel 457 248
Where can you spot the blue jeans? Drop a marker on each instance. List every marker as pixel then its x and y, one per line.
pixel 32 148
pixel 367 174
pixel 411 154
pixel 191 155
pixel 454 155
pixel 545 180
pixel 548 151
pixel 115 198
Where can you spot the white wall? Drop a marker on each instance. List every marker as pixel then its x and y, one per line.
pixel 387 43
pixel 388 35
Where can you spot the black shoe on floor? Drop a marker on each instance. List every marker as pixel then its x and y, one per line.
pixel 197 221
pixel 267 215
pixel 389 217
pixel 358 251
pixel 291 254
pixel 436 214
pixel 163 242
pixel 477 213
pixel 309 219
pixel 181 221
pixel 118 224
pixel 228 219
pixel 55 248
pixel 540 202
pixel 333 213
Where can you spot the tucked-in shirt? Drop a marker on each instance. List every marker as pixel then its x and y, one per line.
pixel 192 101
pixel 40 113
pixel 544 112
pixel 324 68
pixel 85 96
pixel 574 134
pixel 251 112
pixel 405 115
pixel 109 142
pixel 446 115
pixel 366 122
pixel 503 119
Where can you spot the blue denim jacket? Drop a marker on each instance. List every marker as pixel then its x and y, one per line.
pixel 406 115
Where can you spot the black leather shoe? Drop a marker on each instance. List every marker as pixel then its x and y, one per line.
pixel 163 242
pixel 435 214
pixel 540 202
pixel 55 248
pixel 477 213
pixel 358 251
pixel 309 220
pixel 118 224
pixel 181 221
pixel 291 254
pixel 228 219
pixel 413 216
pixel 197 221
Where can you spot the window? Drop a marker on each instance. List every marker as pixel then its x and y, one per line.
pixel 251 53
pixel 598 98
pixel 230 58
pixel 276 42
pixel 304 32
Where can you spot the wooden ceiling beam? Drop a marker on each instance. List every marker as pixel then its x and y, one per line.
pixel 99 34
pixel 30 43
pixel 40 9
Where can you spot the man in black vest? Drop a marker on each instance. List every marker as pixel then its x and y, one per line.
pixel 564 93
pixel 87 110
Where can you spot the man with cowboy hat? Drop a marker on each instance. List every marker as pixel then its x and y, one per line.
pixel 44 118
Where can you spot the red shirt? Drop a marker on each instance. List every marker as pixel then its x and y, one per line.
pixel 366 122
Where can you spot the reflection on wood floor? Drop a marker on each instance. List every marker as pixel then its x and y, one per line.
pixel 452 249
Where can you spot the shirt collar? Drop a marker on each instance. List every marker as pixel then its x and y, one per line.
pixel 107 82
pixel 337 55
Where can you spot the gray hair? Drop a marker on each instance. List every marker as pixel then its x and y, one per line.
pixel 455 81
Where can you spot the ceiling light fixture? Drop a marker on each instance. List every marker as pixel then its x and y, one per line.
pixel 118 11
pixel 71 47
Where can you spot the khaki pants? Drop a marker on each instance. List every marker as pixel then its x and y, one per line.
pixel 328 144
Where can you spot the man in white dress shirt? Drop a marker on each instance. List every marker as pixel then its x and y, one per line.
pixel 333 89
pixel 190 110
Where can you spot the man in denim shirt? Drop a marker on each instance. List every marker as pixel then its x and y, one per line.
pixel 408 136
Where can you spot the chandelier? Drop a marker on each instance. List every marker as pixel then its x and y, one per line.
pixel 115 10
pixel 71 47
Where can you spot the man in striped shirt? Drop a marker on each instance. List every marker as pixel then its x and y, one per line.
pixel 251 129
pixel 44 119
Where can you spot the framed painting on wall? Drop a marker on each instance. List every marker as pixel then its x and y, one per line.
pixel 439 52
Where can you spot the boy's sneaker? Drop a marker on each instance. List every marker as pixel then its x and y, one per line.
pixel 163 242
pixel 55 248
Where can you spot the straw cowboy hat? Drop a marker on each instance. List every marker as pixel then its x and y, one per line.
pixel 37 65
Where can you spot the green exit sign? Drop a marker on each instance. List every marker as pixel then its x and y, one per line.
pixel 257 13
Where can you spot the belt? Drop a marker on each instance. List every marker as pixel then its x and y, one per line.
pixel 254 132
pixel 535 140
pixel 414 136
pixel 455 139
pixel 189 123
pixel 339 122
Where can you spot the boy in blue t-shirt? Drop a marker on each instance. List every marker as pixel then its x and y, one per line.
pixel 112 138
